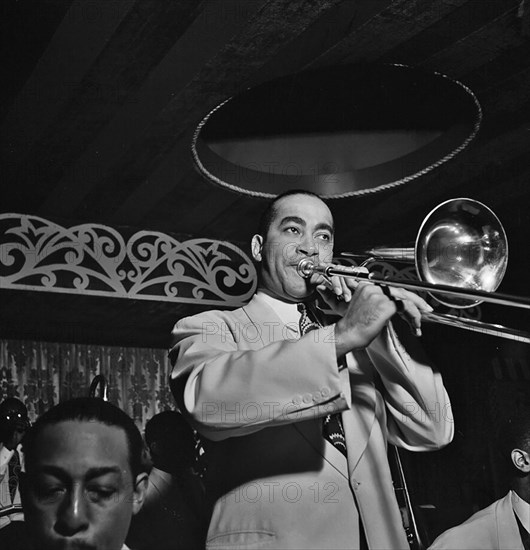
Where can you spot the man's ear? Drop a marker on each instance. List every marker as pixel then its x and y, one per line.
pixel 140 489
pixel 521 460
pixel 257 247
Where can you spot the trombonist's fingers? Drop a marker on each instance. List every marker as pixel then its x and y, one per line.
pixel 418 301
pixel 408 311
pixel 344 287
pixel 410 307
pixel 341 288
pixel 333 300
pixel 366 315
pixel 338 291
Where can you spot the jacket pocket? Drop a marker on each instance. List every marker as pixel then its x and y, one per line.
pixel 241 539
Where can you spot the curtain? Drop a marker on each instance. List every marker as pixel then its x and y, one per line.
pixel 42 373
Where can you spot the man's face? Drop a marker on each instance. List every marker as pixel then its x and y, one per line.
pixel 301 228
pixel 79 490
pixel 14 438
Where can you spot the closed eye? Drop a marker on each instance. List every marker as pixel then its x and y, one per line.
pixel 100 493
pixel 46 492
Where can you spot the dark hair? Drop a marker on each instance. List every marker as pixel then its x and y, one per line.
pixel 174 438
pixel 167 424
pixel 270 211
pixel 13 416
pixel 89 409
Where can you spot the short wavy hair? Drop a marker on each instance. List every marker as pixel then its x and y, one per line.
pixel 270 210
pixel 89 409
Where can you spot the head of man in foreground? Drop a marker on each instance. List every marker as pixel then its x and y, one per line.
pixel 85 477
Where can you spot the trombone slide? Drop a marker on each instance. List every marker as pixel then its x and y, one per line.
pixel 306 268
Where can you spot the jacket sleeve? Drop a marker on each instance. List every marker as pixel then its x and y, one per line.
pixel 229 387
pixel 418 406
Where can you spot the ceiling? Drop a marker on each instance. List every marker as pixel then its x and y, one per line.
pixel 100 100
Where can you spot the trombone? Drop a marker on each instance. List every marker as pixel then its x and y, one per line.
pixel 460 255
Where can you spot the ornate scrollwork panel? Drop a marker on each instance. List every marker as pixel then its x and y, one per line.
pixel 93 259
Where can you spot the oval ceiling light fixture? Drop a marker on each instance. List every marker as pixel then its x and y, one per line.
pixel 338 132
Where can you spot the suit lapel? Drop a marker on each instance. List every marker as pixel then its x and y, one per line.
pixel 265 321
pixel 360 418
pixel 507 528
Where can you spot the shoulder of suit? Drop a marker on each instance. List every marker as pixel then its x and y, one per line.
pixel 213 315
pixel 228 316
pixel 485 514
pixel 471 532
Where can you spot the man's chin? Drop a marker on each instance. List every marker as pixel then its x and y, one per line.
pixel 303 294
pixel 67 544
pixel 291 290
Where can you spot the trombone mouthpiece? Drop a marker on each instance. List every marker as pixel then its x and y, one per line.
pixel 305 268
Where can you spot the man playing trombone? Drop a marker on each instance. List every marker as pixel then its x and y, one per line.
pixel 296 413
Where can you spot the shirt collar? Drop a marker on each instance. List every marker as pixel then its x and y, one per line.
pixel 287 312
pixel 521 509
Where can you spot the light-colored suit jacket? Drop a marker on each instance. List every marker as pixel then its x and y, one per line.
pixel 5 496
pixel 258 395
pixel 493 528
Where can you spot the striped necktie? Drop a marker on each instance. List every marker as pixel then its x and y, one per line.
pixel 332 425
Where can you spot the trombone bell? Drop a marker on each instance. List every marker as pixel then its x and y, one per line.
pixel 461 243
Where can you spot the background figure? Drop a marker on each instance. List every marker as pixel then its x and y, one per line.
pixel 174 513
pixel 13 425
pixel 85 476
pixel 505 524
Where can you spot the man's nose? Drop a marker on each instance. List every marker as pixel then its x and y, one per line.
pixel 73 514
pixel 308 246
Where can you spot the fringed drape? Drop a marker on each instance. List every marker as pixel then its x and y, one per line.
pixel 41 374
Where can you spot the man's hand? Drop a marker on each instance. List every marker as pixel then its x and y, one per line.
pixel 369 310
pixel 337 292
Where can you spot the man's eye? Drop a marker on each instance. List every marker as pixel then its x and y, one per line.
pixel 293 230
pixel 100 493
pixel 324 237
pixel 46 492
